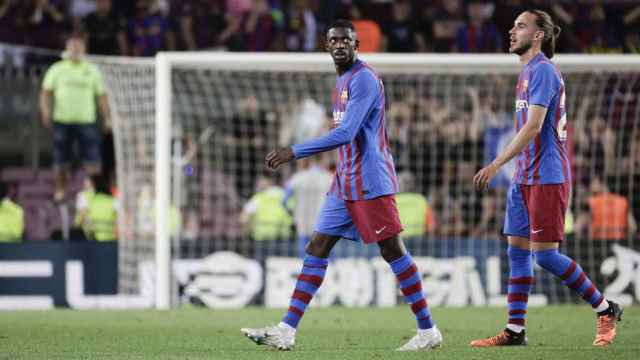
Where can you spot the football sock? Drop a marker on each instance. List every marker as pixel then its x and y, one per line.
pixel 309 280
pixel 520 283
pixel 411 286
pixel 572 275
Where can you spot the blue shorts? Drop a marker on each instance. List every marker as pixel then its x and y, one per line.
pixel 537 212
pixel 66 135
pixel 369 221
pixel 516 218
pixel 334 219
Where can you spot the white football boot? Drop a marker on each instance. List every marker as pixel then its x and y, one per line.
pixel 281 336
pixel 424 340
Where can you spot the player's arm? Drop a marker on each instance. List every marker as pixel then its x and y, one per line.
pixel 102 101
pixel 46 107
pixel 364 90
pixel 531 129
pixel 543 87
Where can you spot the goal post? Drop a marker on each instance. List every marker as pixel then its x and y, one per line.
pixel 205 83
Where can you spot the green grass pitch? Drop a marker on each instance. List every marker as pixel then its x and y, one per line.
pixel 555 332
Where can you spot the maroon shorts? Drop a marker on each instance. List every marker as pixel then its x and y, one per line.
pixel 376 219
pixel 547 206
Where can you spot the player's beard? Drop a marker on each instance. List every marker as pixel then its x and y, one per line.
pixel 523 48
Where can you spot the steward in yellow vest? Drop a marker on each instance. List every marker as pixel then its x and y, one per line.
pixel 11 217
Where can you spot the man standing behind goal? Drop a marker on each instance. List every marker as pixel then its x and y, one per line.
pixel 360 204
pixel 538 197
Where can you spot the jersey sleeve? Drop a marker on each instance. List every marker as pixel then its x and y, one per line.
pixel 544 85
pixel 363 91
pixel 50 77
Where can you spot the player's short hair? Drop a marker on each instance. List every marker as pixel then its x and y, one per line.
pixel 551 31
pixel 341 23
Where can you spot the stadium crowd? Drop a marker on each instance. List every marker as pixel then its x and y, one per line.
pixel 144 27
pixel 438 141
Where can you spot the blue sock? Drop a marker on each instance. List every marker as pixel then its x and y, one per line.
pixel 411 286
pixel 571 274
pixel 520 283
pixel 309 280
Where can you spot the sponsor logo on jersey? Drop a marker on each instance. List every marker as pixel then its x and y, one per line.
pixel 338 116
pixel 521 104
pixel 344 96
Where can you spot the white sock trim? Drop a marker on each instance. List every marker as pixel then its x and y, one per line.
pixel 604 305
pixel 287 327
pixel 515 328
pixel 428 331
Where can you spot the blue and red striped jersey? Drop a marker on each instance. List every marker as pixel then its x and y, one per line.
pixel 365 168
pixel 544 160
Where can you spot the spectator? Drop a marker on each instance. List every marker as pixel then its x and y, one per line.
pixel 609 215
pixel 264 215
pixel 369 32
pixel 248 135
pixel 416 215
pixel 631 23
pixel 9 22
pixel 478 35
pixel 201 23
pixel 596 33
pixel 11 217
pixel 301 27
pixel 106 31
pixel 304 195
pixel 70 91
pixel 447 19
pixel 97 214
pixel 258 27
pixel 401 33
pixel 44 24
pixel 150 32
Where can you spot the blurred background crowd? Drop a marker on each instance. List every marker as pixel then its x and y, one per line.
pixel 144 27
pixel 442 128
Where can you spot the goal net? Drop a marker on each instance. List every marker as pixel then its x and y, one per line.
pixel 192 130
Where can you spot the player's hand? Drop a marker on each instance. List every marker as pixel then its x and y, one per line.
pixel 483 177
pixel 279 157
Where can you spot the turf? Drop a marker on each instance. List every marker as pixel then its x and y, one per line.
pixel 555 332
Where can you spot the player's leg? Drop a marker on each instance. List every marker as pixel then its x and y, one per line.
pixel 62 146
pixel 394 253
pixel 333 222
pixel 572 275
pixel 516 227
pixel 314 267
pixel 519 287
pixel 547 206
pixel 312 274
pixel 377 220
pixel 89 138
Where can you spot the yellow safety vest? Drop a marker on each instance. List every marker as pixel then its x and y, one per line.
pixel 412 208
pixel 271 221
pixel 11 221
pixel 102 216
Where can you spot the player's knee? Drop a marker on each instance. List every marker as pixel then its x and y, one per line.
pixel 391 249
pixel 318 246
pixel 546 258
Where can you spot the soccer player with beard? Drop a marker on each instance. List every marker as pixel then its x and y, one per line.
pixel 360 204
pixel 537 199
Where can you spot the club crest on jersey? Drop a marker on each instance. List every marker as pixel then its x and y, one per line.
pixel 525 85
pixel 344 96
